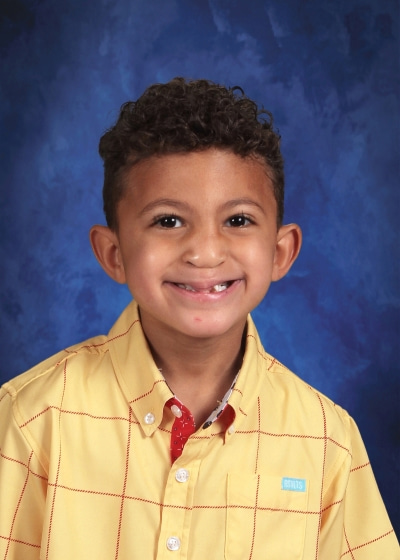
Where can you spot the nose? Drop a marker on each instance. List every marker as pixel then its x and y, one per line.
pixel 205 248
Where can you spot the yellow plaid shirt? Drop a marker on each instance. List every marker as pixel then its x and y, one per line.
pixel 85 468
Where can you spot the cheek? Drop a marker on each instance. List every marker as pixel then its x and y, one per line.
pixel 257 256
pixel 259 264
pixel 145 261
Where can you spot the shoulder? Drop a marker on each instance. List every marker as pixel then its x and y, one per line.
pixel 78 377
pixel 293 405
pixel 43 383
pixel 78 362
pixel 310 402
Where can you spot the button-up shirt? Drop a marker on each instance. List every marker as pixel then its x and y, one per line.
pixel 86 470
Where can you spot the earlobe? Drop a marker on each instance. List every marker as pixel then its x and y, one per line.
pixel 287 249
pixel 105 246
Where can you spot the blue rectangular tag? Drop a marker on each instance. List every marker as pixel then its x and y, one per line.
pixel 294 484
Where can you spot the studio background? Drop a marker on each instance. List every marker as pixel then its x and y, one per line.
pixel 329 72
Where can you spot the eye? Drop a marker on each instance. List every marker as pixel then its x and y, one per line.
pixel 168 221
pixel 239 220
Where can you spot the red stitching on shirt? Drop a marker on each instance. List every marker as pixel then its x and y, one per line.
pixel 220 433
pixel 26 465
pixel 165 430
pixel 254 519
pixel 58 466
pixel 331 505
pixel 281 510
pixel 108 339
pixel 176 506
pixel 322 477
pixel 339 445
pixel 19 542
pixel 255 340
pixel 39 414
pixel 148 392
pixel 272 361
pixel 116 495
pixel 77 413
pixel 180 507
pixel 17 508
pixel 121 511
pixel 300 436
pixel 348 544
pixel 5 394
pixel 86 491
pixel 360 467
pixel 274 434
pixel 70 353
pixel 367 543
pixel 188 508
pixel 14 460
pixel 260 508
pixel 76 352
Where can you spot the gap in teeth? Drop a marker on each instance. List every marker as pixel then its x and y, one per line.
pixel 217 288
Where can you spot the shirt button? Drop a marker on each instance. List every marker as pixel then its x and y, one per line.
pixel 149 418
pixel 182 475
pixel 173 543
pixel 231 429
pixel 176 411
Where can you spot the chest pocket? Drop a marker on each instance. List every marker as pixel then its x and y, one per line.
pixel 266 517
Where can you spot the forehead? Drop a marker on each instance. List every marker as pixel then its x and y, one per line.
pixel 197 174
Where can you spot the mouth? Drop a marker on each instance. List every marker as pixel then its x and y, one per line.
pixel 216 288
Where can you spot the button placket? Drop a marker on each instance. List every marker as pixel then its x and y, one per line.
pixel 175 521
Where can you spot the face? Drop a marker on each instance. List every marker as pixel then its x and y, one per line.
pixel 197 242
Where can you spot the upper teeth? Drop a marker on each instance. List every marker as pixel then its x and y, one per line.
pixel 217 288
pixel 186 287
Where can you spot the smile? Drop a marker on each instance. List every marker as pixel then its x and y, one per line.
pixel 216 288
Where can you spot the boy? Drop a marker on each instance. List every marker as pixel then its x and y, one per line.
pixel 177 436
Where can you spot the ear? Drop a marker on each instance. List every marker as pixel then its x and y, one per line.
pixel 105 246
pixel 287 249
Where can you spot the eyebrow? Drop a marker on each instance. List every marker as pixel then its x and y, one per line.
pixel 179 205
pixel 164 202
pixel 242 201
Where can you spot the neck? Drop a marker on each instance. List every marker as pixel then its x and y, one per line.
pixel 198 371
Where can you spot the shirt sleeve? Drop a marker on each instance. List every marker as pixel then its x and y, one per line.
pixel 356 518
pixel 23 484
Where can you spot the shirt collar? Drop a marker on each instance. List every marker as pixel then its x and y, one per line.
pixel 146 389
pixel 141 382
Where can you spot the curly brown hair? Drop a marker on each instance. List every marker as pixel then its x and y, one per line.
pixel 186 116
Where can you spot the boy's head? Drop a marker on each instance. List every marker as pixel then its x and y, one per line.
pixel 193 196
pixel 187 116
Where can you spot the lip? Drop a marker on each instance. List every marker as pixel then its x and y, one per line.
pixel 201 294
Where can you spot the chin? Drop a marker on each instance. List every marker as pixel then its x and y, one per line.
pixel 203 328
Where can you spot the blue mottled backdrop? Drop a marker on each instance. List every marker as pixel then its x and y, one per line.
pixel 327 69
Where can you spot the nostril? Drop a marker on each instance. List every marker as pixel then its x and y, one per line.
pixel 201 262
